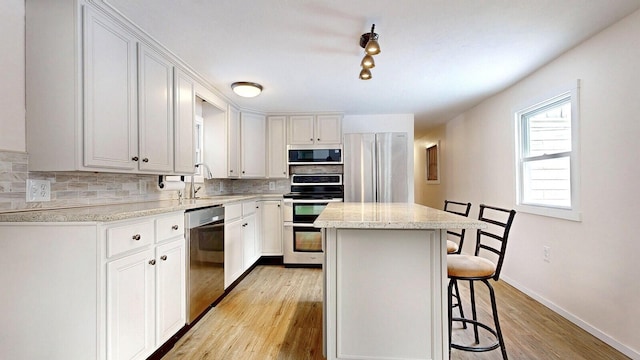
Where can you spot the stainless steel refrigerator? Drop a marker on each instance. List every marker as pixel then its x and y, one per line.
pixel 375 167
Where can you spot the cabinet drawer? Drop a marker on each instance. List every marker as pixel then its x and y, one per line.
pixel 129 236
pixel 168 227
pixel 248 208
pixel 232 211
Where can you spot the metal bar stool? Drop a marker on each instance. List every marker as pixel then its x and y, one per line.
pixel 453 247
pixel 476 268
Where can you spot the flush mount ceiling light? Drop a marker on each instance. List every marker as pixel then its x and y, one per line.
pixel 246 89
pixel 369 42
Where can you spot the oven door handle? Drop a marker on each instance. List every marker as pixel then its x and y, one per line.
pixel 299 225
pixel 311 201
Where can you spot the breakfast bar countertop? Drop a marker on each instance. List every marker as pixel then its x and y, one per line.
pixel 391 216
pixel 114 212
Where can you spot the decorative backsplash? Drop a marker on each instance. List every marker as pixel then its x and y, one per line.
pixel 70 189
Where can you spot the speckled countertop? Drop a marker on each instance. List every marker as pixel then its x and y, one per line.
pixel 391 216
pixel 114 212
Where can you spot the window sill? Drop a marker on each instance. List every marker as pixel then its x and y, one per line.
pixel 564 214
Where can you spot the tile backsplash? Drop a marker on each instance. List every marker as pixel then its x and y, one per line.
pixel 70 189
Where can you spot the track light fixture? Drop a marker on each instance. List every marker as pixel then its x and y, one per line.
pixel 369 42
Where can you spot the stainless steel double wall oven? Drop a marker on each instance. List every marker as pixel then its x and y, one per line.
pixel 310 194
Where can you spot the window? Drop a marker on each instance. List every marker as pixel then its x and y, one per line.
pixel 199 140
pixel 547 157
pixel 432 167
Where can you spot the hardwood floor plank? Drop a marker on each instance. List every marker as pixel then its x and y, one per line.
pixel 276 313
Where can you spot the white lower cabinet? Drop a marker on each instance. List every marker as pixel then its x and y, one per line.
pixel 271 227
pixel 146 290
pixel 242 247
pixel 233 255
pixel 130 306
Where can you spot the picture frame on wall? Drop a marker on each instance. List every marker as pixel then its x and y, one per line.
pixel 432 166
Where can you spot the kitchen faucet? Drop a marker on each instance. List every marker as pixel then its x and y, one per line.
pixel 207 175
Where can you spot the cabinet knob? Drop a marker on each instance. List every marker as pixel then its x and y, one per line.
pixel 245 224
pixel 175 227
pixel 136 237
pixel 135 158
pixel 163 257
pixel 278 205
pixel 145 160
pixel 243 171
pixel 230 171
pixel 318 139
pixel 152 262
pixel 311 139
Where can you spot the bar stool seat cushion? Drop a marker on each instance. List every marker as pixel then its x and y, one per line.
pixel 451 247
pixel 467 266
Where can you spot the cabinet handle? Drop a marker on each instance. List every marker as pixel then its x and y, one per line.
pixel 145 160
pixel 163 257
pixel 152 262
pixel 175 227
pixel 136 237
pixel 245 224
pixel 135 158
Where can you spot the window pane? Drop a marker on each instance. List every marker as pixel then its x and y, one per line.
pixel 547 182
pixel 548 130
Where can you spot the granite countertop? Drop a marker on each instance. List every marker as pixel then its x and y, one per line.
pixel 391 216
pixel 114 212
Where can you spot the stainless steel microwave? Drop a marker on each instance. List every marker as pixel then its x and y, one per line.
pixel 315 155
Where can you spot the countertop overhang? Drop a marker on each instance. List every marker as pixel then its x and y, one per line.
pixel 115 212
pixel 391 216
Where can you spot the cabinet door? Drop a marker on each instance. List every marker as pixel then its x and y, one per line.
pixel 301 130
pixel 253 145
pixel 233 252
pixel 110 95
pixel 234 141
pixel 130 306
pixel 155 111
pixel 277 147
pixel 249 241
pixel 170 289
pixel 271 227
pixel 328 129
pixel 185 97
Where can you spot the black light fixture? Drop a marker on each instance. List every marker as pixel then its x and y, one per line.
pixel 369 42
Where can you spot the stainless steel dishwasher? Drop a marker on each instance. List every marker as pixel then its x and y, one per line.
pixel 205 258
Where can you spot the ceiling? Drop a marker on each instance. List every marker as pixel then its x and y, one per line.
pixel 438 59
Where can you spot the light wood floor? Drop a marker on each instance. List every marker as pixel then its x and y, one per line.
pixel 276 313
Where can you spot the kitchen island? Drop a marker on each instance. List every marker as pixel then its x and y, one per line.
pixel 385 280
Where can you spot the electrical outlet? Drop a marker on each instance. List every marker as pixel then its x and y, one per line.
pixel 38 190
pixel 221 187
pixel 546 253
pixel 272 185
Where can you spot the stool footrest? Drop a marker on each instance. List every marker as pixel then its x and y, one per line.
pixel 493 346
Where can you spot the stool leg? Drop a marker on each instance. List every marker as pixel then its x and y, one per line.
pixel 449 292
pixel 459 299
pixel 494 308
pixel 474 312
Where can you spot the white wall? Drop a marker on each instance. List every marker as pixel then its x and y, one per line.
pixel 593 275
pixel 385 123
pixel 12 103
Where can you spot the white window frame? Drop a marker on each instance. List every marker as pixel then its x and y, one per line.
pixel 573 211
pixel 199 122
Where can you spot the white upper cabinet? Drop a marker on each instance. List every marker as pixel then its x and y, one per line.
pixel 315 129
pixel 233 148
pixel 155 111
pixel 105 100
pixel 277 147
pixel 110 112
pixel 253 145
pixel 328 129
pixel 184 158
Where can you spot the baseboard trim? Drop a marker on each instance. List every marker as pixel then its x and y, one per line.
pixel 574 319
